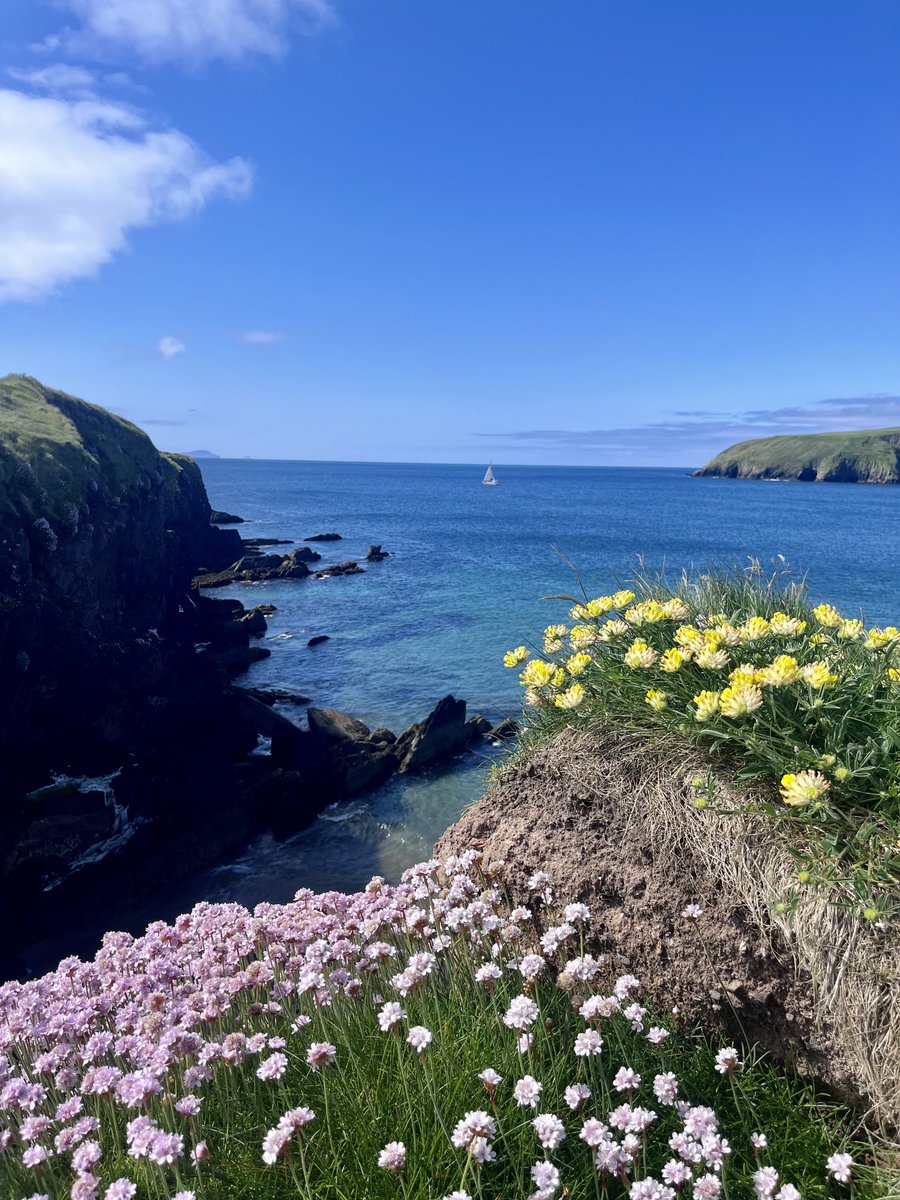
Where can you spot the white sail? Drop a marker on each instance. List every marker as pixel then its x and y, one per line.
pixel 489 477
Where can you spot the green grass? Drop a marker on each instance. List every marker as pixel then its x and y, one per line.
pixel 53 447
pixel 873 454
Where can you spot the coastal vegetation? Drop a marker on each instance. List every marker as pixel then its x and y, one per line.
pixel 429 1040
pixel 863 456
pixel 799 702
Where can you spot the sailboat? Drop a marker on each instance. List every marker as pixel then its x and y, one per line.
pixel 489 480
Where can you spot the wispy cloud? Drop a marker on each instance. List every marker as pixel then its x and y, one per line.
pixel 170 346
pixel 188 31
pixel 260 337
pixel 78 173
pixel 691 434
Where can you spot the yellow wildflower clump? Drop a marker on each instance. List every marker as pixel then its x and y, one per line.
pixel 803 788
pixel 537 674
pixel 610 629
pixel 827 615
pixel 640 655
pixel 781 623
pixel 726 635
pixel 741 700
pixel 657 699
pixel 689 638
pixel 876 639
pixel 851 629
pixel 553 638
pixel 593 609
pixel 754 629
pixel 578 664
pixel 894 674
pixel 581 636
pixel 711 657
pixel 648 612
pixel 676 610
pixel 707 705
pixel 622 599
pixel 571 697
pixel 818 675
pixel 672 660
pixel 781 672
pixel 512 658
pixel 744 675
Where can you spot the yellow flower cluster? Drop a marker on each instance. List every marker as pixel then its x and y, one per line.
pixel 803 788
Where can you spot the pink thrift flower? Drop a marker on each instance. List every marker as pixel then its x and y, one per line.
pixel 550 1130
pixel 588 1044
pixel 393 1157
pixel 576 1094
pixel 490 1079
pixel 839 1166
pixel 545 1177
pixel 419 1038
pixel 527 1092
pixel 626 1080
pixel 121 1189
pixel 727 1061
pixel 321 1054
pixel 273 1067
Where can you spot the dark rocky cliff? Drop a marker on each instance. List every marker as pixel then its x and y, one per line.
pixel 100 535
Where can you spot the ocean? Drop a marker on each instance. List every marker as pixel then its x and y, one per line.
pixel 469 571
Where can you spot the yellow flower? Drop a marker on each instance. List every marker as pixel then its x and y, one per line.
pixel 744 675
pixel 827 615
pixel 850 629
pixel 582 635
pixel 646 613
pixel 593 609
pixel 552 645
pixel 894 674
pixel 717 619
pixel 657 699
pixel 534 698
pixel 741 700
pixel 842 773
pixel 817 675
pixel 803 788
pixel 689 638
pixel 707 705
pixel 553 636
pixel 782 623
pixel 781 672
pixel 818 639
pixel 727 634
pixel 610 629
pixel 711 658
pixel 672 660
pixel 639 654
pixel 559 678
pixel 578 664
pixel 570 698
pixel 876 638
pixel 537 674
pixel 676 610
pixel 754 629
pixel 512 658
pixel 622 599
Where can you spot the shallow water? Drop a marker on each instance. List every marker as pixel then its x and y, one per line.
pixel 468 569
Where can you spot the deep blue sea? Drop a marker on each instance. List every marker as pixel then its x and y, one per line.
pixel 469 568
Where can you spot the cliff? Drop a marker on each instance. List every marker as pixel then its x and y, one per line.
pixel 864 456
pixel 99 537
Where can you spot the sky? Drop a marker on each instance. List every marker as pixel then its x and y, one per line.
pixel 583 232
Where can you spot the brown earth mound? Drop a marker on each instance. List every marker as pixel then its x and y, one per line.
pixel 612 820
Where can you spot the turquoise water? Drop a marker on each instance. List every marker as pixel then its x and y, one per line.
pixel 468 569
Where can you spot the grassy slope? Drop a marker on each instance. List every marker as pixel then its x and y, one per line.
pixel 874 454
pixel 68 444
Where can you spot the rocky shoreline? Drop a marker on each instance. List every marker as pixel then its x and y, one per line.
pixel 129 754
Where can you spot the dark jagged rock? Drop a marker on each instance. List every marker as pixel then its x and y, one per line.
pixel 324 537
pixel 275 695
pixel 376 554
pixel 261 568
pixel 344 568
pixel 318 639
pixel 224 518
pixel 441 734
pixel 255 542
pixel 331 726
pixel 254 622
pixel 477 727
pixel 504 730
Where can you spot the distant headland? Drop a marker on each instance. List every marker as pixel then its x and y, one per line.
pixel 855 456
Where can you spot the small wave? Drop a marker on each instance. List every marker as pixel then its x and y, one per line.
pixel 280 637
pixel 340 811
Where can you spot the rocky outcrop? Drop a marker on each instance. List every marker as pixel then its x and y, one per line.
pixel 323 537
pixel 343 568
pixel 256 567
pixel 376 554
pixel 223 518
pixel 442 733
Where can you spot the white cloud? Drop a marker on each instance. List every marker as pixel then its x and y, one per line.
pixel 76 175
pixel 191 31
pixel 57 79
pixel 260 337
pixel 170 346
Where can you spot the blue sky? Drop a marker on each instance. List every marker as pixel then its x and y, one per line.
pixel 594 231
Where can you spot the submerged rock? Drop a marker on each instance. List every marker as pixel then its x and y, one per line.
pixel 223 518
pixel 318 639
pixel 324 537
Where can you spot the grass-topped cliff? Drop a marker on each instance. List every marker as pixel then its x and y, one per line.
pixel 860 456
